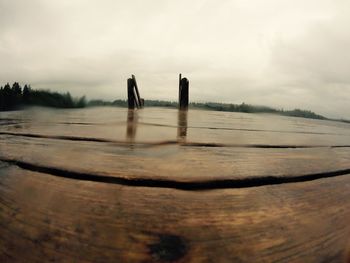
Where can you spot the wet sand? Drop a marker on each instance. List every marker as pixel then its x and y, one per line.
pixel 108 185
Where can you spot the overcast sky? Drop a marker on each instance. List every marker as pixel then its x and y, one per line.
pixel 279 53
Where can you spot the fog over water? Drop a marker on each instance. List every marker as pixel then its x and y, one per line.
pixel 280 53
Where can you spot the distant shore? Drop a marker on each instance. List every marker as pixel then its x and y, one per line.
pixel 12 98
pixel 214 106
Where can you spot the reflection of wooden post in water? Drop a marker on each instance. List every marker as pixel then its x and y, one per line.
pixel 183 93
pixel 131 125
pixel 134 99
pixel 182 125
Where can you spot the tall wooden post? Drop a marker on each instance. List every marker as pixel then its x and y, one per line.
pixel 134 99
pixel 183 93
pixel 180 77
pixel 138 98
pixel 131 95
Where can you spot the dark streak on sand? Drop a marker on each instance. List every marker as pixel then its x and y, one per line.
pixel 168 142
pixel 189 186
pixel 175 126
pixel 242 129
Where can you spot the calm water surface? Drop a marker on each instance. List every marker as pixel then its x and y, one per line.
pixel 166 143
pixel 159 124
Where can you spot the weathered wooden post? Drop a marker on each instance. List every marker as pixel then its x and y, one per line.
pixel 183 93
pixel 134 100
pixel 137 91
pixel 180 77
pixel 131 95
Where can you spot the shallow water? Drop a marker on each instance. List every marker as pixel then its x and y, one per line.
pixel 161 143
pixel 160 124
pixel 271 187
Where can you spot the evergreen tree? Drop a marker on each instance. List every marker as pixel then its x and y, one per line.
pixel 26 94
pixel 2 98
pixel 17 94
pixel 17 89
pixel 13 97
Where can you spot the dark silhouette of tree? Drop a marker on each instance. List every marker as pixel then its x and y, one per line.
pixel 81 102
pixel 7 97
pixel 26 93
pixel 15 97
pixel 2 98
pixel 17 94
pixel 17 89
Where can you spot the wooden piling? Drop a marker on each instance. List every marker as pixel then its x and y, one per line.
pixel 138 98
pixel 180 77
pixel 183 94
pixel 134 100
pixel 131 94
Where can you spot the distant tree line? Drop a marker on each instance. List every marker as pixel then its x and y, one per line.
pixel 14 97
pixel 116 103
pixel 243 107
pixel 124 103
pixel 256 109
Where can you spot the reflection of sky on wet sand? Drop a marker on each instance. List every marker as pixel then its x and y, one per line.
pixel 46 215
pixel 159 124
pixel 174 143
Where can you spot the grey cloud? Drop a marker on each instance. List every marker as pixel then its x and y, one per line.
pixel 318 64
pixel 273 52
